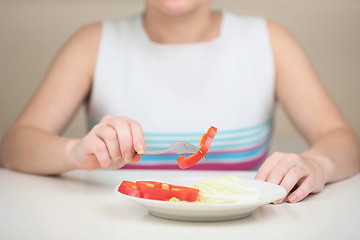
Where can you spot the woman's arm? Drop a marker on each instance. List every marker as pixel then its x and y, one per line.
pixel 334 152
pixel 32 144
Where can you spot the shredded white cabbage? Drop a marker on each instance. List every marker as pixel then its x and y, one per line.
pixel 226 189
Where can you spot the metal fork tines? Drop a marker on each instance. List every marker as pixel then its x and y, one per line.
pixel 175 147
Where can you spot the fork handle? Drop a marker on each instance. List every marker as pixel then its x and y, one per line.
pixel 158 152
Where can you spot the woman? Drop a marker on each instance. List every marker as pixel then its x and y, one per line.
pixel 174 71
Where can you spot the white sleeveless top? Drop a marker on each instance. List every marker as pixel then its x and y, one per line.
pixel 176 92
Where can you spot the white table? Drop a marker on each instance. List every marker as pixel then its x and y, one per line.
pixel 82 205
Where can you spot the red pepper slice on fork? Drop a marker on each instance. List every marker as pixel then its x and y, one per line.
pixel 205 143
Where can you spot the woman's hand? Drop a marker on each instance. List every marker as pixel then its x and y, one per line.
pixel 112 143
pixel 290 170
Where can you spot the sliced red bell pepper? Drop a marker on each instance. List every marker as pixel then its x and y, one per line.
pixel 164 191
pixel 205 143
pixel 186 162
pixel 149 194
pixel 203 138
pixel 129 188
pixel 211 132
pixel 204 147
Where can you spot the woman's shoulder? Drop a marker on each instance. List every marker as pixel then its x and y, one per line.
pixel 88 31
pixel 85 37
pixel 281 37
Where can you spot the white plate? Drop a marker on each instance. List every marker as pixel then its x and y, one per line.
pixel 204 211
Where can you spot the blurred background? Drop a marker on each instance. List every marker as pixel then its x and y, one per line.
pixel 32 31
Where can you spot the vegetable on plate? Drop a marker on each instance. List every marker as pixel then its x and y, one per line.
pixel 159 191
pixel 226 189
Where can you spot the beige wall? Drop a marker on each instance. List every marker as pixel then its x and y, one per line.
pixel 32 31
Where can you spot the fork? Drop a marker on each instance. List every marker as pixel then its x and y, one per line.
pixel 175 147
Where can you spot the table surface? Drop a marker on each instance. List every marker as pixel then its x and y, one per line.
pixel 82 205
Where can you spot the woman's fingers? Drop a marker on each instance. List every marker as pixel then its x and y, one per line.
pixel 136 158
pixel 266 168
pixel 138 137
pixel 308 185
pixel 125 138
pixel 101 152
pixel 289 170
pixel 109 136
pixel 293 176
pixel 282 167
pixel 130 137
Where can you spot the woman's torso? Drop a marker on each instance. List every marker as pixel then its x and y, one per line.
pixel 177 91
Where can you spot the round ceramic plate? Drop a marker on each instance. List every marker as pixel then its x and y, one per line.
pixel 196 211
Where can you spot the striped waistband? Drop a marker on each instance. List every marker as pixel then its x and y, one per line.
pixel 234 149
